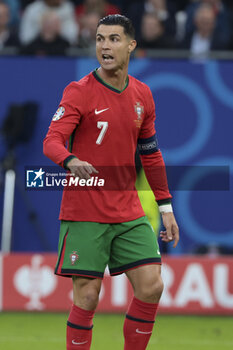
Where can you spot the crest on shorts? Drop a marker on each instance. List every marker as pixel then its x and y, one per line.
pixel 139 110
pixel 73 257
pixel 59 113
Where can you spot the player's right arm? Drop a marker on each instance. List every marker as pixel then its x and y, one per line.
pixel 63 125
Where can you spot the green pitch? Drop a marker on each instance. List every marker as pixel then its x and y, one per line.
pixel 46 331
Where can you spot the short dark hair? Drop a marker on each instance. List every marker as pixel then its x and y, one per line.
pixel 119 20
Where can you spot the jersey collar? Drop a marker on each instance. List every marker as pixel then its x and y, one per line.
pixel 100 80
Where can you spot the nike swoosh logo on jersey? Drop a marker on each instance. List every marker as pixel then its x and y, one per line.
pixel 101 111
pixel 141 332
pixel 76 343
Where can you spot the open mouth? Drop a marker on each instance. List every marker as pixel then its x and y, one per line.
pixel 107 58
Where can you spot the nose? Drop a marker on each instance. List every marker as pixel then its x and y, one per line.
pixel 105 45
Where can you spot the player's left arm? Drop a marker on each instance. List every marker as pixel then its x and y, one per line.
pixel 154 167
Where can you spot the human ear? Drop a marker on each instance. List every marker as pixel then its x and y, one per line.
pixel 132 45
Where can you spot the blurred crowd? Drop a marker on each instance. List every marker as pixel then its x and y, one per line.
pixel 52 27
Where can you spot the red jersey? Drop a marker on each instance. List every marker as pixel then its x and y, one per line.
pixel 104 126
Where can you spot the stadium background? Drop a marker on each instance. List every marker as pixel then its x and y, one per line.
pixel 194 125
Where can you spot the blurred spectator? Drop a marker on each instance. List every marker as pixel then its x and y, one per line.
pixel 31 19
pixel 163 9
pixel 223 18
pixel 153 34
pixel 102 7
pixel 49 41
pixel 87 37
pixel 87 14
pixel 181 18
pixel 8 38
pixel 15 7
pixel 205 37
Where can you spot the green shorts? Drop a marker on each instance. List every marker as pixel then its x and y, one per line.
pixel 86 248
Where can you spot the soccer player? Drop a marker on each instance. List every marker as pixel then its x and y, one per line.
pixel 105 116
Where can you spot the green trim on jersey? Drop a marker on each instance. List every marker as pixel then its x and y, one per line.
pixel 86 248
pixel 71 141
pixel 96 75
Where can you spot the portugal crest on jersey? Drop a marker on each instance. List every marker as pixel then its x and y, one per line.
pixel 73 257
pixel 139 111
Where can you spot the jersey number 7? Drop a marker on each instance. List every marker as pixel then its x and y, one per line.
pixel 103 126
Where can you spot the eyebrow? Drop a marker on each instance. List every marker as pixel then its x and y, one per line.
pixel 111 35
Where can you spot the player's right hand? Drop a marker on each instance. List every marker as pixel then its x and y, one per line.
pixel 81 169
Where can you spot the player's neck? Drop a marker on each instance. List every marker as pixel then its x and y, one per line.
pixel 117 79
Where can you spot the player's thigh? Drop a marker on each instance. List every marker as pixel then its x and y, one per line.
pixel 146 282
pixel 135 245
pixel 84 249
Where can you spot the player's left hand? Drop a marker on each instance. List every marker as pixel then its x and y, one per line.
pixel 171 232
